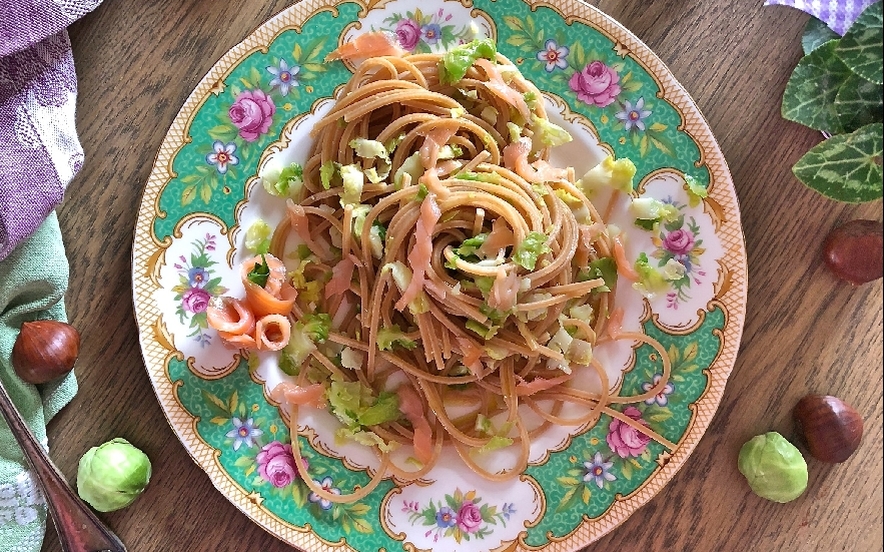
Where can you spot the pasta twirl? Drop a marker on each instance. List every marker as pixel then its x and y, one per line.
pixel 451 283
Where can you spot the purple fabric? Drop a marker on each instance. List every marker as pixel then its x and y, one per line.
pixel 39 149
pixel 839 15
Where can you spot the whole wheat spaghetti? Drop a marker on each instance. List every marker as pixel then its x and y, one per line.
pixel 448 277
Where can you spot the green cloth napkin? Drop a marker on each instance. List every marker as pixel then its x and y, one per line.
pixel 33 281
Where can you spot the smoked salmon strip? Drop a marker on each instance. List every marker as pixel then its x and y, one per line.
pixel 230 315
pixel 291 393
pixel 272 332
pixel 366 45
pixel 277 296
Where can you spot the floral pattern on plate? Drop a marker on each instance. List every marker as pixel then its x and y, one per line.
pixel 419 30
pixel 690 240
pixel 198 283
pixel 459 516
pixel 447 515
pixel 193 271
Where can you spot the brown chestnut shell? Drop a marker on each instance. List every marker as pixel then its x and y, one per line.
pixel 853 251
pixel 831 428
pixel 45 350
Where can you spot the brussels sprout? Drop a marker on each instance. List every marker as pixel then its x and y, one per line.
pixel 773 467
pixel 112 475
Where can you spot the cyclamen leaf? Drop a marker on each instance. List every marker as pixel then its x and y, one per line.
pixel 816 33
pixel 859 103
pixel 809 98
pixel 845 167
pixel 861 46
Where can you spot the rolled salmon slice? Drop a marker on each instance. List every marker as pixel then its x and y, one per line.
pixel 272 332
pixel 276 277
pixel 230 315
pixel 238 341
pixel 277 296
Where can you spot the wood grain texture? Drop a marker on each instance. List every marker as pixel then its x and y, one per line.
pixel 805 332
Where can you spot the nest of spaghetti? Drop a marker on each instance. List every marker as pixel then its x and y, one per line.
pixel 436 282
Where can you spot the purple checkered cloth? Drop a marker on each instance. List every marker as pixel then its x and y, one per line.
pixel 839 15
pixel 39 149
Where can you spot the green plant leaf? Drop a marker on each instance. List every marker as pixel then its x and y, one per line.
pixel 222 132
pixel 244 461
pixel 567 500
pixel 255 77
pixel 529 21
pixel 517 40
pixel 661 143
pixel 859 103
pixel 809 98
pixel 513 23
pixel 860 48
pixel 314 50
pixel 359 509
pixel 691 350
pixel 816 33
pixel 215 403
pixel 188 195
pixel 578 56
pixel 206 193
pixel 298 495
pixel 315 67
pixel 362 526
pixel 846 167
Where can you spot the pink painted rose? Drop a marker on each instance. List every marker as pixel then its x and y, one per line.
pixel 276 464
pixel 195 300
pixel 469 518
pixel 596 84
pixel 625 440
pixel 679 242
pixel 252 113
pixel 408 32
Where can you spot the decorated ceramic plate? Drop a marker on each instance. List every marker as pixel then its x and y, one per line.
pixel 254 111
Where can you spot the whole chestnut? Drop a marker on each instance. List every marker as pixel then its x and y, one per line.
pixel 832 429
pixel 853 251
pixel 45 350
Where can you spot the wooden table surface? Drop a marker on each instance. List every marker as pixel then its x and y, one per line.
pixel 805 332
